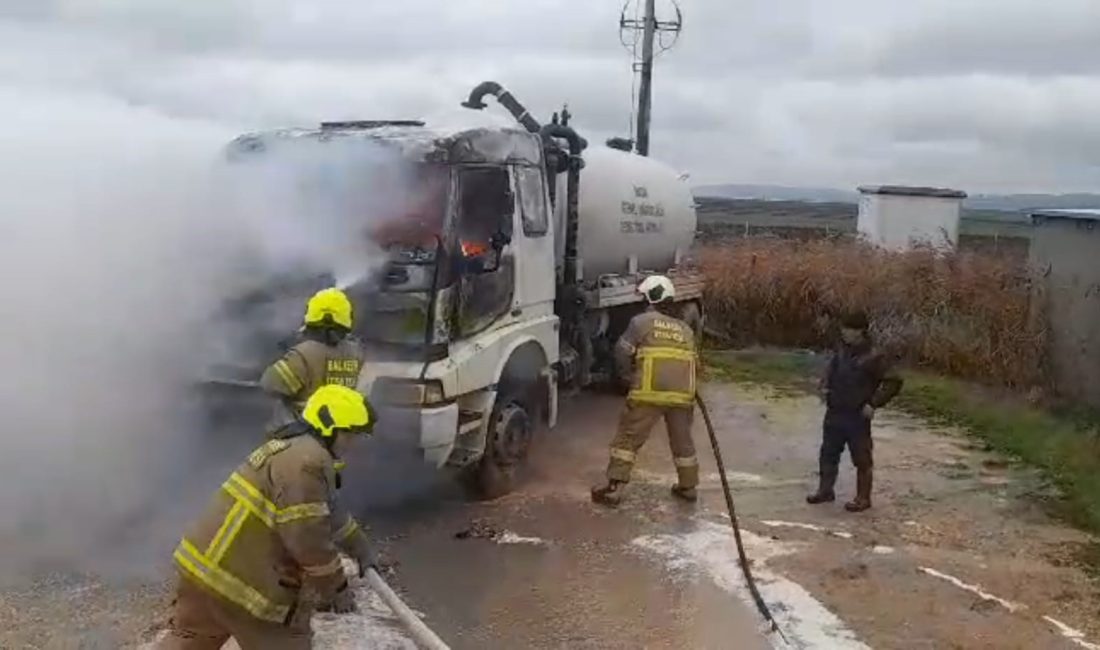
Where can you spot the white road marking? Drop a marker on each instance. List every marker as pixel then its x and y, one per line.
pixel 1075 636
pixel 709 549
pixel 883 550
pixel 508 537
pixel 796 524
pixel 975 589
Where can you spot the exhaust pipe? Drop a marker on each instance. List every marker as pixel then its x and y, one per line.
pixel 506 100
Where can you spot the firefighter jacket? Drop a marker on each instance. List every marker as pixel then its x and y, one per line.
pixel 659 353
pixel 305 368
pixel 272 531
pixel 857 376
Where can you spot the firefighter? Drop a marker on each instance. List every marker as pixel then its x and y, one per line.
pixel 658 352
pixel 858 381
pixel 324 356
pixel 264 556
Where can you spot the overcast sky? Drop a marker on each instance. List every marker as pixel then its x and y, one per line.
pixel 985 95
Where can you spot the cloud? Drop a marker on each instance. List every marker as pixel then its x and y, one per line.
pixel 773 89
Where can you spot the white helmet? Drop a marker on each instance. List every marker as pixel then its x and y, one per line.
pixel 657 288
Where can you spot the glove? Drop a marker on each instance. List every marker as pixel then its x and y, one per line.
pixel 342 603
pixel 366 558
pixel 362 552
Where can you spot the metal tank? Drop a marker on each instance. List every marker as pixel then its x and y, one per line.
pixel 630 206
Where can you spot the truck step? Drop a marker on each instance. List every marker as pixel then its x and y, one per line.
pixel 463 457
pixel 468 421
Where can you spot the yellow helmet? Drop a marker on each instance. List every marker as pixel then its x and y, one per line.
pixel 333 409
pixel 331 305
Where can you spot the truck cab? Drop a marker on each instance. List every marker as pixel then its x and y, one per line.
pixel 479 307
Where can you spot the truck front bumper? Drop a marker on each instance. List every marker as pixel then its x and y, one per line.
pixel 433 428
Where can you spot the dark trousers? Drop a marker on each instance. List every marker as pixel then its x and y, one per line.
pixel 845 429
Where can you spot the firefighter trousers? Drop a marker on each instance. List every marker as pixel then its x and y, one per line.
pixel 201 621
pixel 636 422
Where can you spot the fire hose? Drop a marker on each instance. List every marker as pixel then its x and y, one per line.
pixel 421 633
pixel 743 559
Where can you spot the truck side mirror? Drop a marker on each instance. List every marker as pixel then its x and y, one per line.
pixel 499 240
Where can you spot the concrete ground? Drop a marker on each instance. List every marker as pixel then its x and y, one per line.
pixel 955 554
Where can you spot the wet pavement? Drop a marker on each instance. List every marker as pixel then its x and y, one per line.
pixel 956 552
pixel 545 568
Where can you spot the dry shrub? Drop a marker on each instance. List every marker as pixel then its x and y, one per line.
pixel 965 314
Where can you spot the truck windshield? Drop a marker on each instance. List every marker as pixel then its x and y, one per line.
pixel 367 215
pixel 397 302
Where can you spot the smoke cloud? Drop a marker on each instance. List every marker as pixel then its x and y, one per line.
pixel 124 232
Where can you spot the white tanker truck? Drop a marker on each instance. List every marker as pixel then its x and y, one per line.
pixel 510 282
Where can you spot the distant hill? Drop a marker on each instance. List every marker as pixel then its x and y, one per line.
pixel 978 202
pixel 777 193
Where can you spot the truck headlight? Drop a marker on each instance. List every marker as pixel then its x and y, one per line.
pixel 409 392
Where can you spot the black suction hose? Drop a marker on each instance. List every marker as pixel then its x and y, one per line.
pixel 761 606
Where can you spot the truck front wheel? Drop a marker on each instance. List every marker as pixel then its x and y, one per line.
pixel 509 438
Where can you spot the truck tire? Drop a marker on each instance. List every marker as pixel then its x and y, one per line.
pixel 509 438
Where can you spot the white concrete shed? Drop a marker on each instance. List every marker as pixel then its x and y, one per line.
pixel 1065 249
pixel 898 217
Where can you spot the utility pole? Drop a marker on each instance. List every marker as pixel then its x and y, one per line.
pixel 645 91
pixel 651 30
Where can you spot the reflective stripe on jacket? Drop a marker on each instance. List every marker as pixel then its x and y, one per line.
pixel 305 368
pixel 660 353
pixel 270 530
pixel 310 365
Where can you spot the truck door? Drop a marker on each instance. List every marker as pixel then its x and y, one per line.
pixel 485 255
pixel 534 245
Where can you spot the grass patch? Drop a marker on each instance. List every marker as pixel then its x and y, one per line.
pixel 779 369
pixel 1064 443
pixel 1067 449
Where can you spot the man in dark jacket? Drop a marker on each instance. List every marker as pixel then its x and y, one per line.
pixel 858 380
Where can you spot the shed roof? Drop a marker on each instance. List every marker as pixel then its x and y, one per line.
pixel 906 190
pixel 1081 214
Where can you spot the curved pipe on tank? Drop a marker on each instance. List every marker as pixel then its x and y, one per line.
pixel 577 144
pixel 506 99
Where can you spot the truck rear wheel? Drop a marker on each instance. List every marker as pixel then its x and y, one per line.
pixel 509 439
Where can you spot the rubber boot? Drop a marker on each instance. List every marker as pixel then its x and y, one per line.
pixel 863 491
pixel 688 494
pixel 825 493
pixel 609 495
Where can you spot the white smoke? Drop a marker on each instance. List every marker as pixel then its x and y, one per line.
pixel 107 263
pixel 122 230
